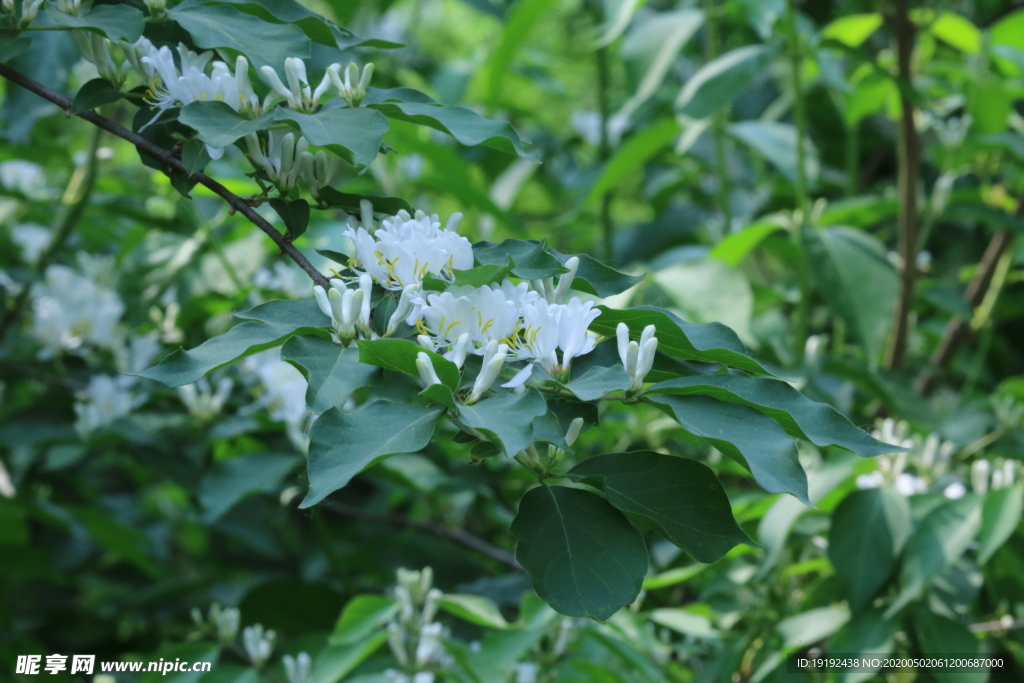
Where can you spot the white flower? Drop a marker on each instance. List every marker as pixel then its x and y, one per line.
pixel 284 393
pixel 484 313
pixel 69 6
pixel 955 490
pixel 547 327
pixel 104 400
pixel 32 239
pixel 494 357
pixel 282 161
pixel 429 647
pixel 346 307
pixel 404 250
pixel 72 311
pixel 428 376
pixel 908 484
pixel 353 88
pixel 258 643
pixel 405 309
pixel 871 480
pixel 29 10
pixel 24 177
pixel 96 50
pixel 203 402
pixel 526 672
pixel 298 92
pixel 298 669
pixel 637 357
pixel 155 6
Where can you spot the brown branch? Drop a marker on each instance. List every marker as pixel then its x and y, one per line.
pixel 909 156
pixel 457 535
pixel 957 330
pixel 173 163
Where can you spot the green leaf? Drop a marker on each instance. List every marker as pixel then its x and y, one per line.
pixel 598 381
pixel 194 155
pixel 361 616
pixel 869 529
pixel 313 25
pixel 188 652
pixel 956 31
pixel 547 429
pixel 653 45
pixel 583 556
pixel 776 143
pixel 867 633
pixel 532 261
pixel 126 542
pixel 707 342
pixel 707 291
pixel 221 26
pixel 11 46
pixel 441 395
pixel 333 372
pixel 13 524
pixel 679 498
pixel 940 635
pixel 267 326
pixel 685 622
pixel 819 423
pixel 117 22
pixel 1000 516
pixel 990 105
pixel 400 355
pixel 465 125
pixel 857 280
pixel 520 21
pixel 483 275
pixel 628 160
pixel 721 81
pixel 335 661
pixel 95 93
pixel 755 441
pixel 506 419
pixel 803 630
pixel 594 277
pixel 353 134
pixel 853 29
pixel 937 542
pixel 219 125
pixel 229 481
pixel 351 203
pixel 341 445
pixel 295 215
pixel 474 609
pixel 737 245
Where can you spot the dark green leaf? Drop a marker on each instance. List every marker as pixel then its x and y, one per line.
pixel 594 277
pixel 295 215
pixel 483 275
pixel 583 556
pixel 465 125
pixel 221 26
pixel 474 609
pixel 341 445
pixel 547 429
pixel 680 498
pixel 598 381
pixel 1000 517
pixel 856 278
pixel 867 633
pixel 819 423
pixel 362 615
pixel 707 342
pixel 938 634
pixel 194 155
pixel 350 203
pixel 353 134
pixel 869 529
pixel 755 441
pixel 722 80
pixel 937 542
pixel 531 260
pixel 218 124
pixel 776 143
pixel 12 46
pixel 333 372
pixel 506 419
pixel 228 481
pixel 123 541
pixel 117 22
pixel 95 93
pixel 400 355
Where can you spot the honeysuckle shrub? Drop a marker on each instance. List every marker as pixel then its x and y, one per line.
pixel 686 499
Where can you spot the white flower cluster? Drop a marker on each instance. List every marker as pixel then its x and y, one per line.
pixel 930 458
pixel 413 636
pixel 499 322
pixel 284 394
pixel 72 310
pixel 258 643
pixel 987 476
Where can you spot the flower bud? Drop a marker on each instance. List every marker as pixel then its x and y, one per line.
pixel 565 280
pixel 426 369
pixel 980 476
pixel 494 359
pixel 298 669
pixel 460 350
pixel 574 431
pixel 406 304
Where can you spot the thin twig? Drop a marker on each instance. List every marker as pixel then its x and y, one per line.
pixel 957 330
pixel 909 155
pixel 172 163
pixel 76 197
pixel 457 535
pixel 604 150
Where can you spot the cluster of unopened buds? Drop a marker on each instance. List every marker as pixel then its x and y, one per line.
pixel 414 638
pixel 533 461
pixel 204 402
pixel 29 10
pixel 637 357
pixel 223 622
pixel 298 669
pixel 348 308
pixel 985 476
pixel 258 644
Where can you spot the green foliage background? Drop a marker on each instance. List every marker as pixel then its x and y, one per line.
pixel 741 157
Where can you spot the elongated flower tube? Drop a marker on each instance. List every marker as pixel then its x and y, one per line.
pixel 96 50
pixel 637 357
pixel 461 349
pixel 406 304
pixel 404 250
pixel 428 376
pixel 426 342
pixel 343 306
pixel 282 160
pixel 494 358
pixel 574 431
pixel 29 10
pixel 565 280
pixel 72 7
pixel 366 287
pixel 353 88
pixel 318 171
